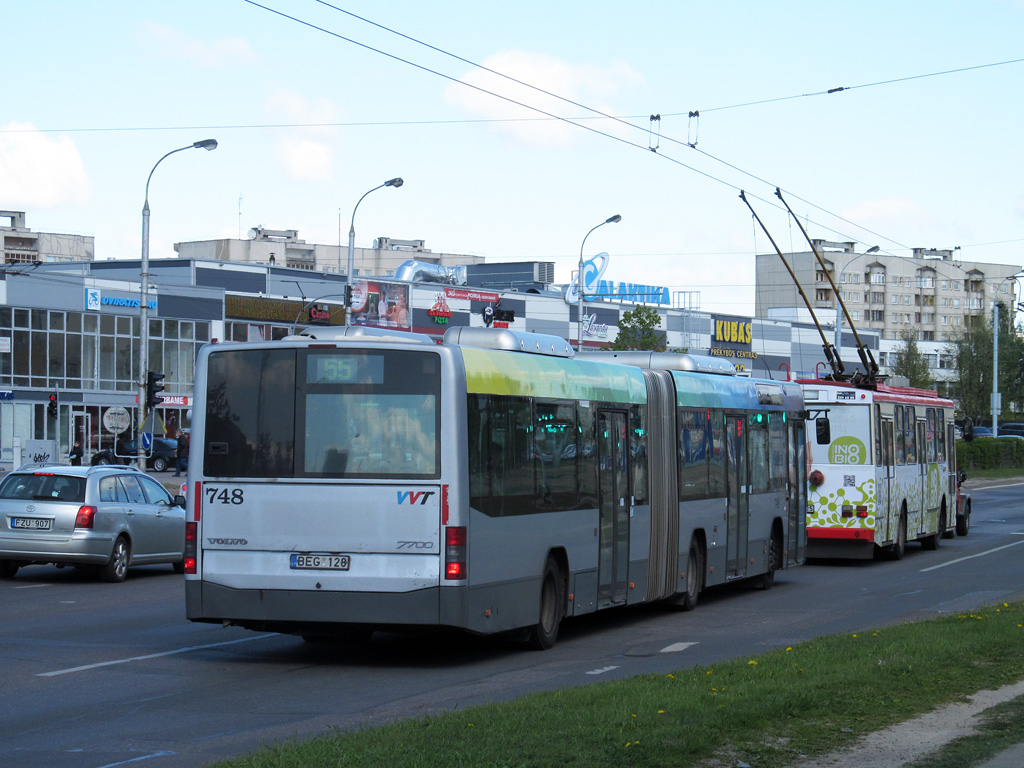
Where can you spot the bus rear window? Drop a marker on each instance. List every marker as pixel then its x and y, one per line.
pixel 364 413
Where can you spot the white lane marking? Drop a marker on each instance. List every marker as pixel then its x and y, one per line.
pixel 151 656
pixel 138 759
pixel 971 557
pixel 32 586
pixel 601 671
pixel 677 647
pixel 996 487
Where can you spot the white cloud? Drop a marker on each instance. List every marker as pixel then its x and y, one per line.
pixel 40 171
pixel 585 84
pixel 305 155
pixel 304 159
pixel 172 42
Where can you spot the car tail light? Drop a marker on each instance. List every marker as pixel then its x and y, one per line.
pixel 455 553
pixel 817 478
pixel 191 538
pixel 85 517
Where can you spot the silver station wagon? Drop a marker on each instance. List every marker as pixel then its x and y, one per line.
pixel 103 517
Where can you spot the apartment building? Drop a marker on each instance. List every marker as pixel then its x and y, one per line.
pixel 932 292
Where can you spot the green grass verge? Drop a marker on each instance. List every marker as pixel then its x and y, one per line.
pixel 768 711
pixel 1002 473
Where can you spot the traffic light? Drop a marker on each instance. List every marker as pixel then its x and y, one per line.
pixel 52 407
pixel 153 389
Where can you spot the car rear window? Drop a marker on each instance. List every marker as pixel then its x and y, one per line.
pixel 43 487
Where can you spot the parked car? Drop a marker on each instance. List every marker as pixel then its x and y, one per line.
pixel 164 454
pixel 103 517
pixel 1011 428
pixel 982 432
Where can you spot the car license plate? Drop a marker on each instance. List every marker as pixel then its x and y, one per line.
pixel 32 523
pixel 321 562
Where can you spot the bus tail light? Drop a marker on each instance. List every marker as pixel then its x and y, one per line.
pixel 85 517
pixel 455 553
pixel 191 540
pixel 817 478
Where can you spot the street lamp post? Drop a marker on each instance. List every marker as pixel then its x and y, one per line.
pixel 839 310
pixel 395 182
pixel 579 282
pixel 209 145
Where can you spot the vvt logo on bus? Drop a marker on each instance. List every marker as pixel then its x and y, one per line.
pixel 847 450
pixel 414 497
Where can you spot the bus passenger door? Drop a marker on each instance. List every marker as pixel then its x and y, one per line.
pixel 616 504
pixel 922 464
pixel 884 529
pixel 738 511
pixel 797 498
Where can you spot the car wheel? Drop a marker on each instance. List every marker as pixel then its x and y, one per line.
pixel 159 464
pixel 102 460
pixel 117 568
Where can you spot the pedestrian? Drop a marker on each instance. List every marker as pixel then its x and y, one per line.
pixel 76 454
pixel 182 453
pixel 120 451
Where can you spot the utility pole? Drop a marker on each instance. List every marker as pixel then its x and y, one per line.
pixel 996 398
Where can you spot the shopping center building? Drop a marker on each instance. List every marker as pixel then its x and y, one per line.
pixel 69 325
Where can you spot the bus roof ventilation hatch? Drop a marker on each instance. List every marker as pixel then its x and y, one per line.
pixel 509 341
pixel 360 332
pixel 664 361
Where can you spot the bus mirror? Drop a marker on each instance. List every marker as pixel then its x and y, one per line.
pixel 824 430
pixel 963 476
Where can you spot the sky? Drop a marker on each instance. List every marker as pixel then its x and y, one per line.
pixel 518 127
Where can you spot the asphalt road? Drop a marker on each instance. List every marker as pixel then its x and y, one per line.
pixel 112 674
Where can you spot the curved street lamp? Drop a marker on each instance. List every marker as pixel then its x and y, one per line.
pixel 395 182
pixel 839 310
pixel 579 282
pixel 208 145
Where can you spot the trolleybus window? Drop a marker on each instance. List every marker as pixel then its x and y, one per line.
pixel 322 413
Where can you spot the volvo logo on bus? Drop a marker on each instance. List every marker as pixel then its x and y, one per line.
pixel 414 497
pixel 228 542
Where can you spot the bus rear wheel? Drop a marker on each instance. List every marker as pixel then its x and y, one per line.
pixel 899 547
pixel 933 541
pixel 767 579
pixel 544 633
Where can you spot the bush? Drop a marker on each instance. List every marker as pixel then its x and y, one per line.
pixel 990 453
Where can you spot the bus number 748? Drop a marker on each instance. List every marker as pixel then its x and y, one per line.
pixel 224 495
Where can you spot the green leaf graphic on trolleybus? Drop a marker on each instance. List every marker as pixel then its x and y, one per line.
pixel 847 450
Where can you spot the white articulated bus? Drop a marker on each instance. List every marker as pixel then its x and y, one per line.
pixel 883 470
pixel 493 482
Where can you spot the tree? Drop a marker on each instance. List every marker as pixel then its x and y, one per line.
pixel 636 330
pixel 972 353
pixel 911 363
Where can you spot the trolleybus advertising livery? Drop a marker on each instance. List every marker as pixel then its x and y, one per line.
pixel 883 470
pixel 494 482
